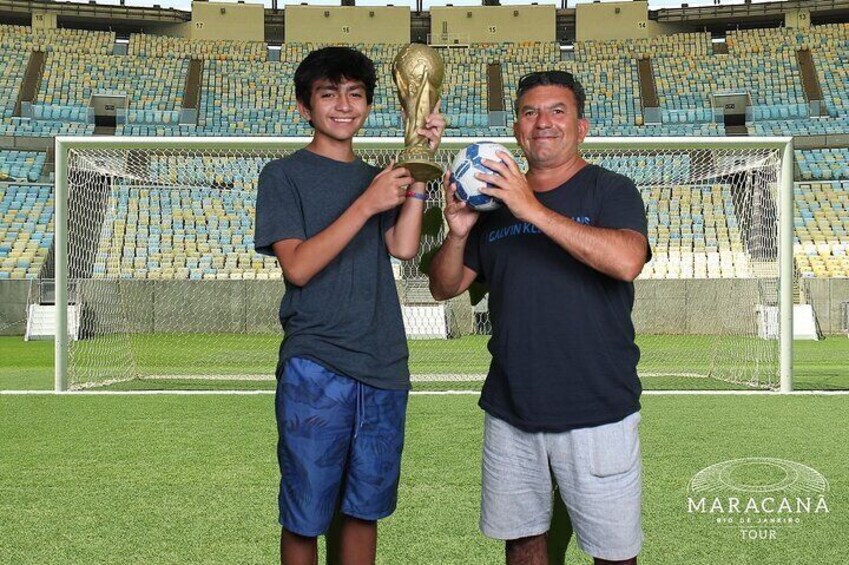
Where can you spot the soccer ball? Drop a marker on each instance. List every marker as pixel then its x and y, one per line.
pixel 463 169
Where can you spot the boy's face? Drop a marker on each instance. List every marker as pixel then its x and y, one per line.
pixel 337 111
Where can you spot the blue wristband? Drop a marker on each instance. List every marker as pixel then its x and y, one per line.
pixel 417 195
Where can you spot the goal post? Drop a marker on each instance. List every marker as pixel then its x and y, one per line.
pixel 721 226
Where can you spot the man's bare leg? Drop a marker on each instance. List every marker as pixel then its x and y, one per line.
pixel 532 550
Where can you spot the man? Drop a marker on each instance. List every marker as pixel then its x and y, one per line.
pixel 332 221
pixel 562 394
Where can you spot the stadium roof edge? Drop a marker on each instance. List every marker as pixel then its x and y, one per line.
pixel 717 19
pixel 83 12
pixel 749 12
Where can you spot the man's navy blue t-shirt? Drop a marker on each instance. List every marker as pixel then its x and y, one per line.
pixel 563 351
pixel 347 317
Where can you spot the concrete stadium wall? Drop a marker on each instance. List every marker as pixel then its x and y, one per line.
pixel 662 307
pixel 695 306
pixel 225 20
pixel 826 297
pixel 183 30
pixel 798 18
pixel 349 24
pixel 496 24
pixel 612 20
pixel 44 20
pixel 13 307
pixel 182 306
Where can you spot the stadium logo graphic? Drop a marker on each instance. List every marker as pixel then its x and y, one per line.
pixel 759 498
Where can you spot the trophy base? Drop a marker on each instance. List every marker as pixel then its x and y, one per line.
pixel 421 169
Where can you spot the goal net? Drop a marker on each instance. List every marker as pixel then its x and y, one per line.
pixel 168 292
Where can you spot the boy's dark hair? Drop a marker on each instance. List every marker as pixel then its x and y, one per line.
pixel 545 78
pixel 334 64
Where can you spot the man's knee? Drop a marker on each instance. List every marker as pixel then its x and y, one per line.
pixel 527 551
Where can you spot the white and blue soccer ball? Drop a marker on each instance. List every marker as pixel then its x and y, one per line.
pixel 468 162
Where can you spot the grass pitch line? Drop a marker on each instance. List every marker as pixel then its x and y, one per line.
pixel 425 378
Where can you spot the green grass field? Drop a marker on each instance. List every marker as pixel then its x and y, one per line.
pixel 192 479
pixel 28 365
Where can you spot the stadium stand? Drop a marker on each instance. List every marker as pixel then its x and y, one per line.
pixel 465 88
pixel 164 47
pixel 243 93
pixel 694 233
pixel 822 164
pixel 61 40
pixel 678 44
pixel 26 127
pixel 26 229
pixel 12 67
pixel 24 166
pixel 822 229
pixel 202 233
pixel 70 79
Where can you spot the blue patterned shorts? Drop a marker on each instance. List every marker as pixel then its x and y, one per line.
pixel 339 447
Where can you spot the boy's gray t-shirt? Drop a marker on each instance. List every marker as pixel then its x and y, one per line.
pixel 347 317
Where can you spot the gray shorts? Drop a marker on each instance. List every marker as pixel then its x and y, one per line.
pixel 598 472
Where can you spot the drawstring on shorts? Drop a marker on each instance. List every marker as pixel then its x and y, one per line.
pixel 360 416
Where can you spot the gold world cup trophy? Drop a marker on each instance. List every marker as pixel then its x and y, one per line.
pixel 418 71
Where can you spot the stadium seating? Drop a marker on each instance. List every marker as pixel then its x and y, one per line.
pixel 26 229
pixel 21 165
pixel 12 68
pixel 822 164
pixel 164 47
pixel 813 126
pixel 26 127
pixel 200 233
pixel 61 40
pixel 678 44
pixel 694 233
pixel 70 79
pixel 831 55
pixel 464 91
pixel 205 233
pixel 249 98
pixel 822 229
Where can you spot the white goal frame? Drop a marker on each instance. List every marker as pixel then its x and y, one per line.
pixel 65 144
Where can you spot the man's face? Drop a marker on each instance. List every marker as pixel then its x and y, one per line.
pixel 547 126
pixel 337 111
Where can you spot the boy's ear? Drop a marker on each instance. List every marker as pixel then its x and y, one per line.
pixel 304 111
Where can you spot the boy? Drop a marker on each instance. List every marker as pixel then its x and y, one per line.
pixel 332 221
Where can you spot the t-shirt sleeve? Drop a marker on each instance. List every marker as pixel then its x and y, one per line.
pixel 623 207
pixel 278 210
pixel 471 254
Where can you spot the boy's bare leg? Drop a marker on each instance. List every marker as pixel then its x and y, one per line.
pixel 297 550
pixel 351 541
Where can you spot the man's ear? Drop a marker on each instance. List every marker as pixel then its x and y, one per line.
pixel 583 128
